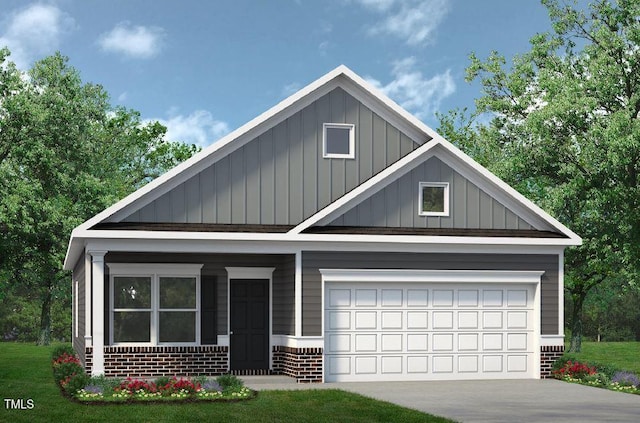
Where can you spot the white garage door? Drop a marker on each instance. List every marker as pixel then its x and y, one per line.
pixel 426 331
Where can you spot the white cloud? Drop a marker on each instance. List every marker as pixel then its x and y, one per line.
pixel 139 42
pixel 414 21
pixel 291 88
pixel 415 92
pixel 33 32
pixel 123 97
pixel 200 128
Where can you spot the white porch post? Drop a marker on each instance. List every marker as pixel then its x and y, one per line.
pixel 97 291
pixel 298 295
pixel 88 340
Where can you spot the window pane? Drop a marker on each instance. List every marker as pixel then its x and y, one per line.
pixel 131 326
pixel 132 292
pixel 433 199
pixel 177 326
pixel 337 141
pixel 177 293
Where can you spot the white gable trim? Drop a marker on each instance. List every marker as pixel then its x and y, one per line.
pixel 503 192
pixel 462 164
pixel 364 190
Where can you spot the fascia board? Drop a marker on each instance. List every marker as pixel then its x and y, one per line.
pixel 304 238
pixel 518 201
pixel 369 187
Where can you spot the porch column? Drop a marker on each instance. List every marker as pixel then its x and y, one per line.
pixel 97 292
pixel 88 340
pixel 298 295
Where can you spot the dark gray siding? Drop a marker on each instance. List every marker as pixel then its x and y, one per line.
pixel 396 205
pixel 312 287
pixel 79 296
pixel 214 266
pixel 280 177
pixel 284 297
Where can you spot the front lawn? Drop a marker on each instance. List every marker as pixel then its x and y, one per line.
pixel 624 355
pixel 25 373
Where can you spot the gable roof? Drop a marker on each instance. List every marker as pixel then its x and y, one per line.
pixel 340 76
pixel 428 140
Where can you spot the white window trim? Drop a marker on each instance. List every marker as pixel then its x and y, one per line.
pixel 352 141
pixel 444 185
pixel 154 271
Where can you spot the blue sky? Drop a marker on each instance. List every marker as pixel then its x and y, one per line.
pixel 203 68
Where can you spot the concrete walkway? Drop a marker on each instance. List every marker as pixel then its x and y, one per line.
pixel 487 401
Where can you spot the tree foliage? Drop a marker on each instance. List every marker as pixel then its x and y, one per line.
pixel 564 129
pixel 65 154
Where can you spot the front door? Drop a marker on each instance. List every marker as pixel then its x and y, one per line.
pixel 249 337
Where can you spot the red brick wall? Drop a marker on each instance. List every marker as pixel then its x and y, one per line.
pixel 549 354
pixel 157 361
pixel 304 364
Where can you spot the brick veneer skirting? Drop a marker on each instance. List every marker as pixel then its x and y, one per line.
pixel 157 361
pixel 304 364
pixel 549 354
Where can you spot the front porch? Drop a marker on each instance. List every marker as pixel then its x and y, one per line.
pixel 126 339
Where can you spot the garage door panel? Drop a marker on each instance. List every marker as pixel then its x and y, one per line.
pixel 516 298
pixel 391 298
pixel 417 320
pixel 492 298
pixel 468 298
pixel 340 298
pixel 391 364
pixel 468 364
pixel 339 320
pixel 418 342
pixel 366 298
pixel 443 319
pixel 391 320
pixel 442 297
pixel 417 297
pixel 366 320
pixel 426 331
pixel 467 320
pixel 366 342
pixel 492 320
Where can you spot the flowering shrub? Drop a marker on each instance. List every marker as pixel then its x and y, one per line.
pixel 626 379
pixel 574 370
pixel 598 375
pixel 163 389
pixel 68 372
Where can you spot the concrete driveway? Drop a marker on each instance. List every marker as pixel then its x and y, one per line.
pixel 489 401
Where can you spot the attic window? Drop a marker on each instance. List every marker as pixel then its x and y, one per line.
pixel 433 199
pixel 338 141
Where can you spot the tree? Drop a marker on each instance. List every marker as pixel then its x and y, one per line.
pixel 564 130
pixel 65 154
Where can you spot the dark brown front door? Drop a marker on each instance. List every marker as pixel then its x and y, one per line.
pixel 249 338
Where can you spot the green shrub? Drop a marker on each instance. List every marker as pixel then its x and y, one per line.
pixel 61 350
pixel 162 381
pixel 229 382
pixel 75 382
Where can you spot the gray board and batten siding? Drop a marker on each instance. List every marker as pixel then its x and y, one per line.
pixel 214 272
pixel 312 261
pixel 280 177
pixel 397 204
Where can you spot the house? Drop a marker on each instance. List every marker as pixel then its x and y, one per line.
pixel 335 237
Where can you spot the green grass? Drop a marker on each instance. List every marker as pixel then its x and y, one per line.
pixel 624 355
pixel 25 372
